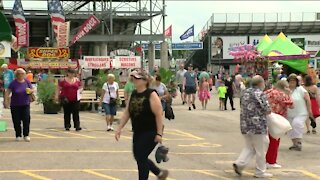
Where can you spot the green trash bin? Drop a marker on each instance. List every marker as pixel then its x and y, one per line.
pixel 3 126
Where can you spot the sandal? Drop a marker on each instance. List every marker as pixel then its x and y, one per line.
pixel 314 131
pixel 308 132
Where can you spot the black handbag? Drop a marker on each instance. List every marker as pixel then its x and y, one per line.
pixel 63 100
pixel 313 122
pixel 113 101
pixel 168 112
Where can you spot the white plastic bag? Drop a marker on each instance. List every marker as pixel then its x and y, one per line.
pixel 278 125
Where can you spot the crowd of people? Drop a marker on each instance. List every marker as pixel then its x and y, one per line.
pixel 190 84
pixel 146 97
pixel 294 98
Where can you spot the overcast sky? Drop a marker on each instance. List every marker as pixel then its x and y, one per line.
pixel 184 14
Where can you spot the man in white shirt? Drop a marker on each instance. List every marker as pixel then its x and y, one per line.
pixel 179 80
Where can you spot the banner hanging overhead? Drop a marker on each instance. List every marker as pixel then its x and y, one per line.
pixel 22 33
pixel 63 34
pixel 57 15
pixel 91 23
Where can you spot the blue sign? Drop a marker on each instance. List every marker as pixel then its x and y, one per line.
pixel 178 46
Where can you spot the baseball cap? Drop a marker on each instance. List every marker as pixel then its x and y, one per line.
pixel 139 75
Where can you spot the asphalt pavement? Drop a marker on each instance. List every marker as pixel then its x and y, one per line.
pixel 203 145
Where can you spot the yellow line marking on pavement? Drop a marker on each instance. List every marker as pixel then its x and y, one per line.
pixel 304 172
pixel 252 174
pixel 103 151
pixel 173 139
pixel 307 173
pixel 249 174
pixel 112 134
pixel 62 151
pixel 188 134
pixel 36 176
pixel 43 135
pixel 224 162
pixel 57 137
pixel 176 134
pixel 101 119
pixel 200 153
pixel 76 134
pixel 211 174
pixel 150 174
pixel 200 145
pixel 208 172
pixel 100 175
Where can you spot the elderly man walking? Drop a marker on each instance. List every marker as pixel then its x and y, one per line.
pixel 253 123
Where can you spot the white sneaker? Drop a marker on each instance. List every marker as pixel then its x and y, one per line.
pixel 18 138
pixel 273 166
pixel 111 128
pixel 27 139
pixel 108 128
pixel 264 175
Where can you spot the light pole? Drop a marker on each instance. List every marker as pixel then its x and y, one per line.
pixel 219 58
pixel 47 40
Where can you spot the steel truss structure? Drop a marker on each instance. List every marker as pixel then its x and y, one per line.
pixel 123 22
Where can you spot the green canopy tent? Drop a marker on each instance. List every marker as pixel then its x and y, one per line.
pixel 264 43
pixel 286 52
pixel 5 29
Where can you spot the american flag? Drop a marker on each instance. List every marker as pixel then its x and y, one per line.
pixel 18 14
pixel 56 13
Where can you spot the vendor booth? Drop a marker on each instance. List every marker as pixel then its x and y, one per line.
pixel 264 59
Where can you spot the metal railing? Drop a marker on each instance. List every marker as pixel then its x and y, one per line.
pixel 256 17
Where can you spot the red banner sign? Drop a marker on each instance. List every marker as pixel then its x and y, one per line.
pixel 86 27
pixel 22 33
pixel 48 53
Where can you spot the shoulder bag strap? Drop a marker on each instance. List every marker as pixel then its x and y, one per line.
pixel 109 90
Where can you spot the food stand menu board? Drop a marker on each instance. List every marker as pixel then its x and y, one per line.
pixel 48 53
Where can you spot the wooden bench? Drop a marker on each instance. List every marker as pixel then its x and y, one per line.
pixel 121 97
pixel 89 97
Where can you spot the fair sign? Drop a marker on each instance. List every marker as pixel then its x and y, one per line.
pixel 96 62
pixel 127 62
pixel 106 62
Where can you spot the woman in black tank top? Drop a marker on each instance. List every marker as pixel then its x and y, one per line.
pixel 145 112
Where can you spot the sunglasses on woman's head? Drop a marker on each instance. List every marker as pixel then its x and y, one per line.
pixel 138 78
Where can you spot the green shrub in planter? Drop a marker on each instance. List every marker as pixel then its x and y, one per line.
pixel 46 90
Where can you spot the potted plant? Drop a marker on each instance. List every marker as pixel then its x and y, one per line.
pixel 46 90
pixel 166 76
